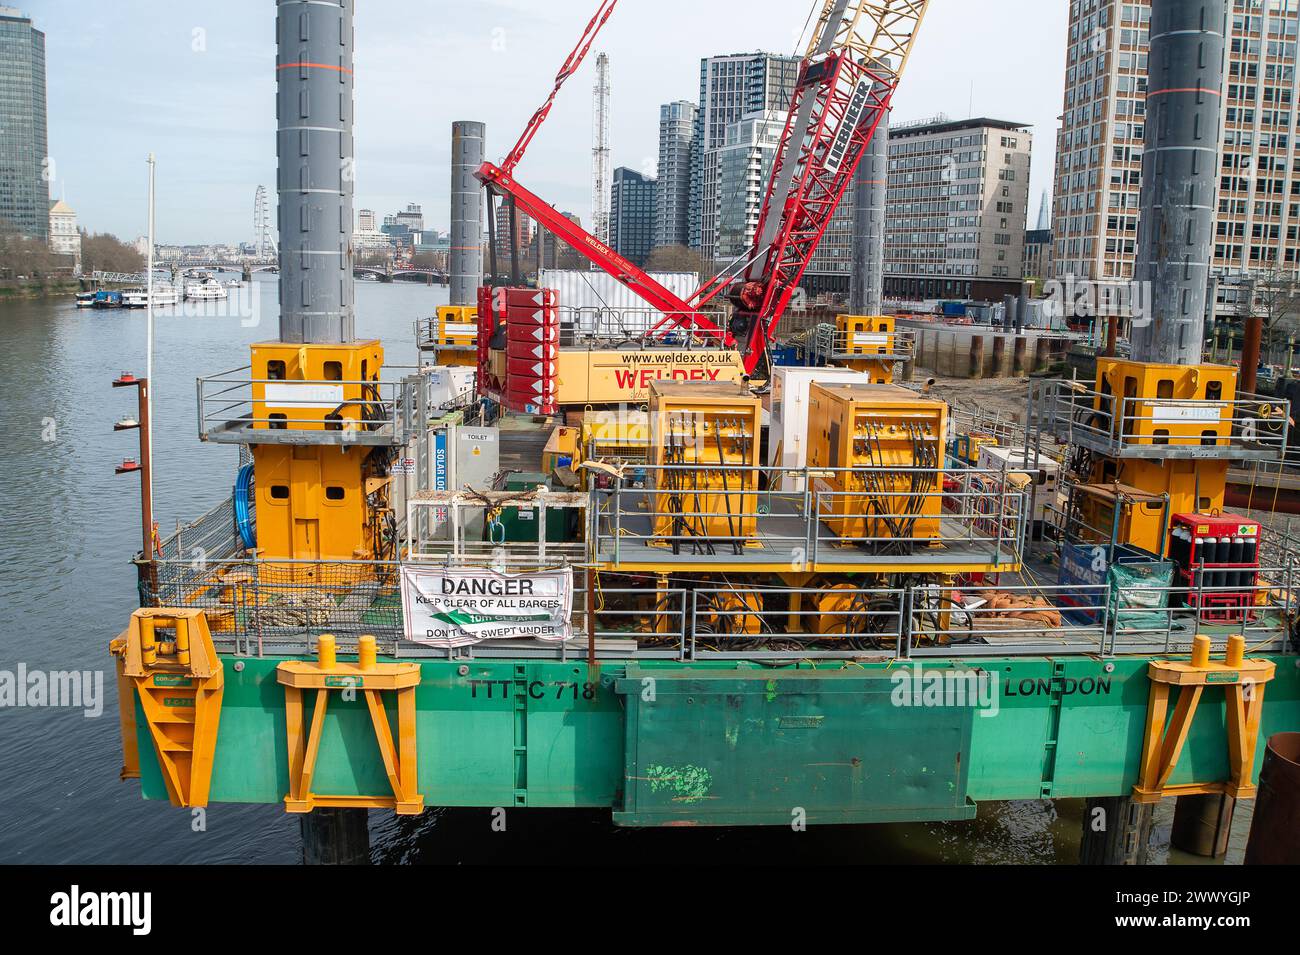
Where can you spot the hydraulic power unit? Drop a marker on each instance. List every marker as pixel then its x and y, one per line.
pixel 619 437
pixel 965 449
pixel 704 443
pixel 1117 514
pixel 883 447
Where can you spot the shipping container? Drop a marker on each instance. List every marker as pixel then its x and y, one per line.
pixel 595 303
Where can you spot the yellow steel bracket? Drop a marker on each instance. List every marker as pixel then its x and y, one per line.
pixel 179 680
pixel 1243 683
pixel 326 675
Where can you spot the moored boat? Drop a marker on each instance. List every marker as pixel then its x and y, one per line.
pixel 163 295
pixel 204 288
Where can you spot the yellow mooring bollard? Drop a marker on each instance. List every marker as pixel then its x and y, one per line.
pixel 326 656
pixel 367 655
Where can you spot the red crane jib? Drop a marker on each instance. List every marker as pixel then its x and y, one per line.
pixel 677 312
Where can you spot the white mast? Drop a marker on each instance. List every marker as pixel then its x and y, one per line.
pixel 148 360
pixel 601 181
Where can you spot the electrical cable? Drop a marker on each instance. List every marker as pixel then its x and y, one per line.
pixel 243 501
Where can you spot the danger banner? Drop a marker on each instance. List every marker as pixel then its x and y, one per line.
pixel 445 608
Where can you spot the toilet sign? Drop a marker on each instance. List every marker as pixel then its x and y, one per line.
pixel 457 607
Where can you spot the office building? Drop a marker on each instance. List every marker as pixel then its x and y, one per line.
pixel 24 185
pixel 1102 136
pixel 632 215
pixel 65 238
pixel 956 209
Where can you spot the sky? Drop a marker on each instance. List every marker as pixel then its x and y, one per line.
pixel 194 83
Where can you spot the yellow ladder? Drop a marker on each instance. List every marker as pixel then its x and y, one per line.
pixel 179 682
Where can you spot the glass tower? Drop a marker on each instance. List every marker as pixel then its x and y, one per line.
pixel 24 191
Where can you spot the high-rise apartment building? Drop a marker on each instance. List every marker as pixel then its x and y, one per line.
pixel 956 208
pixel 743 165
pixel 366 221
pixel 673 187
pixel 24 188
pixel 1099 154
pixel 731 87
pixel 632 215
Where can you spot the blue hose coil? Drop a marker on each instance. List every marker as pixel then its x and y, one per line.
pixel 243 496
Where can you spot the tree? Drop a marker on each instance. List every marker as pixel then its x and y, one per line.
pixel 675 258
pixel 27 257
pixel 101 252
pixel 1274 296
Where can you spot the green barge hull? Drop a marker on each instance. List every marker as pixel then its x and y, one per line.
pixel 664 743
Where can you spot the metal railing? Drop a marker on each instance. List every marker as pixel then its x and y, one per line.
pixel 610 327
pixel 272 607
pixel 376 412
pixel 740 622
pixel 830 343
pixel 1248 428
pixel 1167 619
pixel 431 335
pixel 737 514
pixel 211 537
pixel 463 529
pixel 1008 620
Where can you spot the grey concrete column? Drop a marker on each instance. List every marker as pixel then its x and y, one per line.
pixel 867 281
pixel 316 170
pixel 466 266
pixel 1179 169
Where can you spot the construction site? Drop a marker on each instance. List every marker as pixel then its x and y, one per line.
pixel 703 560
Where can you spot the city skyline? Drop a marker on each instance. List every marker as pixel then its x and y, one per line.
pixel 200 83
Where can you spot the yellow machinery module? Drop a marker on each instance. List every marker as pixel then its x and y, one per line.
pixel 1152 404
pixel 321 498
pixel 613 437
pixel 1099 511
pixel 704 447
pixel 622 437
pixel 1143 405
pixel 869 344
pixel 871 429
pixel 455 335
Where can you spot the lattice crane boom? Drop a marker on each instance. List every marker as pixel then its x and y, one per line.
pixel 853 64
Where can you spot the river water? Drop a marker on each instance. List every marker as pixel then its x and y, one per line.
pixel 70 527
